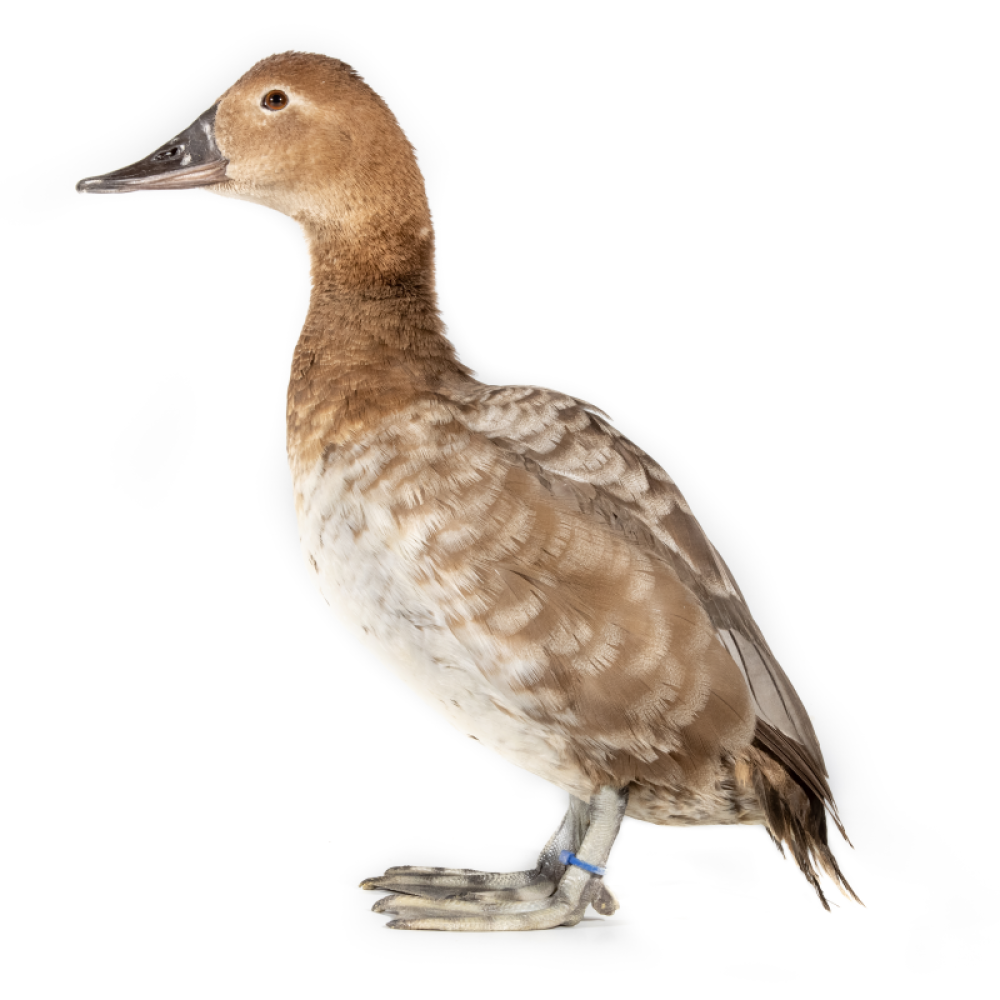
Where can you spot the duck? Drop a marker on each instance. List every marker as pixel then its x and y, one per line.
pixel 535 573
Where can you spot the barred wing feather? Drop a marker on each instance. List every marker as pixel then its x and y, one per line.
pixel 564 437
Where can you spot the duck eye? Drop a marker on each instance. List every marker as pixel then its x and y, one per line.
pixel 275 100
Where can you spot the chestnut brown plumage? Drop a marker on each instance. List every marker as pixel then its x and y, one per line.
pixel 538 574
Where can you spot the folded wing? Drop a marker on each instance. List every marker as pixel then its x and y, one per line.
pixel 569 439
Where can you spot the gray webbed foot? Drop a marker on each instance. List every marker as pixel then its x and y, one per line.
pixel 444 883
pixel 550 895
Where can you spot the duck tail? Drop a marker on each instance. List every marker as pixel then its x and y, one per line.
pixel 795 817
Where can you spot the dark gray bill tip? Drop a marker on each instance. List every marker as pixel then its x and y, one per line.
pixel 191 159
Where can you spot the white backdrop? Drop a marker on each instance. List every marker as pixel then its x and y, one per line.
pixel 764 237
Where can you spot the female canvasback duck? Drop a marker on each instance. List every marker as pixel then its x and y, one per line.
pixel 538 575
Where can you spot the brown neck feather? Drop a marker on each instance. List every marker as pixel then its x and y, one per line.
pixel 373 341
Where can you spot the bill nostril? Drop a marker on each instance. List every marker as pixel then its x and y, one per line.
pixel 168 154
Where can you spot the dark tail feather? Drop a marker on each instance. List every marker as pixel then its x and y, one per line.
pixel 795 817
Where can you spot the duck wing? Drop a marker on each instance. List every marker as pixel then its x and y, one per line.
pixel 569 439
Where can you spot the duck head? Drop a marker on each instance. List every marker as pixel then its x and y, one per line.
pixel 305 135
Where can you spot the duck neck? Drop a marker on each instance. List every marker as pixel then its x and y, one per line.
pixel 373 341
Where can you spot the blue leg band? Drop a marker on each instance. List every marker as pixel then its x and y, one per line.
pixel 569 858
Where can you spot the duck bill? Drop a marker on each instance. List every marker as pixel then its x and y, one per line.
pixel 191 159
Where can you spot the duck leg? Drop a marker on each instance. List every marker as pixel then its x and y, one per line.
pixel 551 894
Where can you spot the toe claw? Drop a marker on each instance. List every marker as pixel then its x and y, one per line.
pixel 604 901
pixel 389 904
